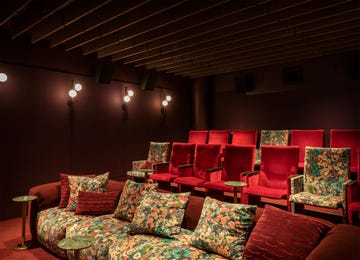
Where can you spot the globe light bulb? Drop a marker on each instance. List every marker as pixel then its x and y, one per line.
pixel 130 93
pixel 127 99
pixel 165 103
pixel 168 98
pixel 78 87
pixel 72 93
pixel 3 77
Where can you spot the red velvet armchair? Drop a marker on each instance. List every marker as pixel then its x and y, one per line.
pixel 244 137
pixel 303 138
pixel 347 138
pixel 181 154
pixel 198 136
pixel 207 156
pixel 278 164
pixel 237 159
pixel 353 196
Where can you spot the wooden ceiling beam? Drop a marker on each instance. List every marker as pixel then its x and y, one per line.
pixel 72 13
pixel 174 52
pixel 11 8
pixel 36 13
pixel 102 15
pixel 108 30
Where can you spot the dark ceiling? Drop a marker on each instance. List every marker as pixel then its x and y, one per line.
pixel 191 38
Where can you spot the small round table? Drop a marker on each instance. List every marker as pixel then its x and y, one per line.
pixel 235 185
pixel 24 203
pixel 76 244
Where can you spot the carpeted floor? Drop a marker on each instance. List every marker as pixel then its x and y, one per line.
pixel 10 235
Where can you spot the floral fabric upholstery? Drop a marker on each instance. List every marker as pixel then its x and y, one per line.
pixel 52 225
pixel 159 248
pixel 158 152
pixel 130 197
pixel 223 228
pixel 272 137
pixel 81 183
pixel 160 214
pixel 326 170
pixel 107 230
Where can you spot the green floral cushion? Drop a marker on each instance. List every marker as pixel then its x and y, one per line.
pixel 160 214
pixel 130 197
pixel 82 183
pixel 223 228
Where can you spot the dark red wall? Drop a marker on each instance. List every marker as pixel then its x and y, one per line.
pixel 38 140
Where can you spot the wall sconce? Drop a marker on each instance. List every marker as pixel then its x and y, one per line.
pixel 3 77
pixel 127 98
pixel 165 103
pixel 75 88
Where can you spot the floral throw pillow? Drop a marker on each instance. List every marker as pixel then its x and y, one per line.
pixel 223 228
pixel 160 214
pixel 130 197
pixel 81 183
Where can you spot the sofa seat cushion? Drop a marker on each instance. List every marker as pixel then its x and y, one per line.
pixel 52 225
pixel 316 200
pixel 145 246
pixel 218 185
pixel 106 229
pixel 265 191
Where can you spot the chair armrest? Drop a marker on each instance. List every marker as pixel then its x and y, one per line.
pixel 185 165
pixel 214 174
pixel 136 165
pixel 161 167
pixel 250 173
pixel 352 191
pixel 213 169
pixel 185 170
pixel 296 183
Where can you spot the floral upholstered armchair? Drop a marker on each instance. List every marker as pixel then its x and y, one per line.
pixel 272 137
pixel 158 153
pixel 326 172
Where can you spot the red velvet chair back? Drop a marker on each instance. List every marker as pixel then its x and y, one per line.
pixel 303 138
pixel 277 164
pixel 349 138
pixel 237 159
pixel 198 136
pixel 181 154
pixel 207 156
pixel 219 137
pixel 244 137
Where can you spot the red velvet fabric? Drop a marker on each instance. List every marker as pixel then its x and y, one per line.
pixel 237 159
pixel 266 192
pixel 303 138
pixel 244 137
pixel 353 192
pixel 96 203
pixel 340 138
pixel 65 189
pixel 207 156
pixel 198 136
pixel 219 137
pixel 181 154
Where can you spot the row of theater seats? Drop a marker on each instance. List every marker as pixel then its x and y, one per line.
pixel 339 138
pixel 325 181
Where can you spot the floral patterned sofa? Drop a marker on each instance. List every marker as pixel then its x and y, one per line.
pixel 204 231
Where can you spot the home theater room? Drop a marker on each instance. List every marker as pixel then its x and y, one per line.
pixel 180 129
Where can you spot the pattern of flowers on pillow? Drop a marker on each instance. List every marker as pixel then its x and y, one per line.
pixel 80 183
pixel 223 228
pixel 130 197
pixel 160 214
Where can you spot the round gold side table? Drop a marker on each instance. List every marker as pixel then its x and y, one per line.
pixel 76 244
pixel 235 185
pixel 24 203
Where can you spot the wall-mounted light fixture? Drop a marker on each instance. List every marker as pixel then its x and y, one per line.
pixel 165 103
pixel 3 77
pixel 127 98
pixel 75 88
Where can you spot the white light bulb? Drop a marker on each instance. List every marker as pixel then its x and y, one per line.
pixel 72 93
pixel 164 103
pixel 127 99
pixel 78 87
pixel 130 93
pixel 168 98
pixel 3 77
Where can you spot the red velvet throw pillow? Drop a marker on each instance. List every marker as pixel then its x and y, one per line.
pixel 96 203
pixel 279 234
pixel 65 189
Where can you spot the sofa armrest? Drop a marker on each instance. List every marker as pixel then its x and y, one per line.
pixel 48 196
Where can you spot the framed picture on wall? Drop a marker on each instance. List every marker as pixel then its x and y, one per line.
pixel 293 75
